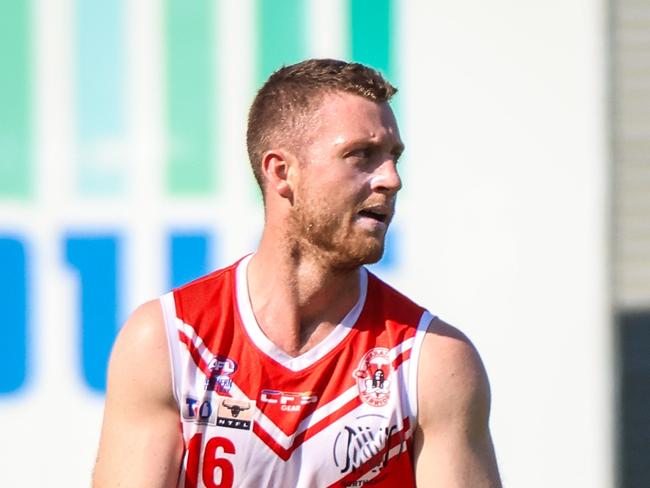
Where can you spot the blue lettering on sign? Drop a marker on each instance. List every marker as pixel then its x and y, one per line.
pixel 96 259
pixel 98 262
pixel 189 257
pixel 13 303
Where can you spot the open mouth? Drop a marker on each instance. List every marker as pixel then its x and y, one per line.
pixel 373 214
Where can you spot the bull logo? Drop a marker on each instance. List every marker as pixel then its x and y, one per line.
pixel 235 410
pixel 235 414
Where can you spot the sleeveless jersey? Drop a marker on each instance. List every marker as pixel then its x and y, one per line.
pixel 341 414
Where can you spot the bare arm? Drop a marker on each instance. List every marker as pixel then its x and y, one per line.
pixel 141 443
pixel 453 447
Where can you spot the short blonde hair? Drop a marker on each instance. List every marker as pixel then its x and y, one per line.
pixel 292 92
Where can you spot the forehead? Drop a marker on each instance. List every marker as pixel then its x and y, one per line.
pixel 349 116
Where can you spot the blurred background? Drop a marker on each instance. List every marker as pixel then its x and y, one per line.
pixel 524 219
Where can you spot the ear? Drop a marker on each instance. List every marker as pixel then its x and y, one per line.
pixel 277 166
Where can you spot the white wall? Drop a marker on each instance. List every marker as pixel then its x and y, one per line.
pixel 504 219
pixel 508 203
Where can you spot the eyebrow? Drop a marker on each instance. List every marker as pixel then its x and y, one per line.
pixel 398 147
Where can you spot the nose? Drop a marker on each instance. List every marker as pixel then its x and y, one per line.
pixel 386 179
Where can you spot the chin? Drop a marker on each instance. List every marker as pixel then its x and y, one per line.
pixel 350 259
pixel 374 255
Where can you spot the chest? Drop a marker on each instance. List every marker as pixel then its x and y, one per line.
pixel 249 422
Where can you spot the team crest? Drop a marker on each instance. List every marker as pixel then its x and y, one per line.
pixel 374 377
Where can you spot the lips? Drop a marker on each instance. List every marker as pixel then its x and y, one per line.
pixel 380 213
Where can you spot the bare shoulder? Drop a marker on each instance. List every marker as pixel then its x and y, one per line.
pixel 453 445
pixel 141 353
pixel 144 325
pixel 452 382
pixel 140 443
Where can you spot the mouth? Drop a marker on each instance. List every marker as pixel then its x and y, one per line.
pixel 379 214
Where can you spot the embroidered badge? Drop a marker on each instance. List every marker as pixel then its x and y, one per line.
pixel 373 377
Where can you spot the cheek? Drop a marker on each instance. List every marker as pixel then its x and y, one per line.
pixel 341 189
pixel 353 189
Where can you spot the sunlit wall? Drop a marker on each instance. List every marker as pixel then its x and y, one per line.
pixel 123 173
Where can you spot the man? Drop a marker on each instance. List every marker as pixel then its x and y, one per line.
pixel 295 366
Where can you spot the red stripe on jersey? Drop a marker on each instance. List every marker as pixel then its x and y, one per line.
pixel 209 306
pixel 291 429
pixel 400 358
pixel 285 454
pixel 194 352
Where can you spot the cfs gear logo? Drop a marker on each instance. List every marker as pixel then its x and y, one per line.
pixel 368 441
pixel 288 401
pixel 221 367
pixel 235 414
pixel 374 377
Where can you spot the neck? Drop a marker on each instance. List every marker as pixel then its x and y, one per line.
pixel 297 298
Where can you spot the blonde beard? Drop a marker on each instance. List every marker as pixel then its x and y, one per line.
pixel 316 233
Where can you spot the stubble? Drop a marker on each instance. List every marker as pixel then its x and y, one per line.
pixel 319 233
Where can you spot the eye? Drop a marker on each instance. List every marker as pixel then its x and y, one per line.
pixel 360 153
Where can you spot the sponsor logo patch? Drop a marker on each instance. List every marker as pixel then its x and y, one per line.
pixel 368 440
pixel 235 414
pixel 373 377
pixel 200 411
pixel 221 368
pixel 288 401
pixel 220 411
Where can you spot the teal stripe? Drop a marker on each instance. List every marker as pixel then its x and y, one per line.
pixel 16 164
pixel 101 106
pixel 281 35
pixel 189 28
pixel 371 34
pixel 373 42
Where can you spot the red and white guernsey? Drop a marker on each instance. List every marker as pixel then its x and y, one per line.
pixel 341 414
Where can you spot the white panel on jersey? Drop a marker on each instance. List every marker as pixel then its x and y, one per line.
pixel 264 343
